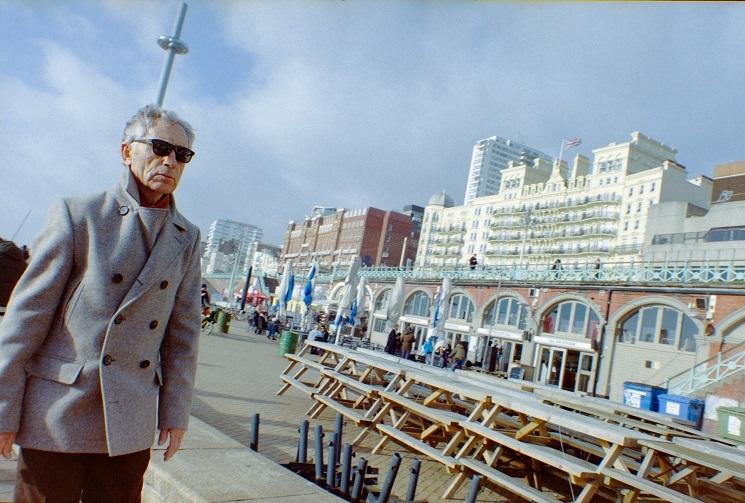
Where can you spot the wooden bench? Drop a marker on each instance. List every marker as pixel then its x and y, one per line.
pixel 647 486
pixel 417 445
pixel 305 361
pixel 512 484
pixel 348 382
pixel 578 468
pixel 355 415
pixel 296 383
pixel 445 418
pixel 698 457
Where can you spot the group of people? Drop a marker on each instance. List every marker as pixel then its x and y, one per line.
pixel 404 345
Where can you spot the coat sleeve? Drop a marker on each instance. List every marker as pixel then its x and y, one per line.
pixel 32 308
pixel 179 349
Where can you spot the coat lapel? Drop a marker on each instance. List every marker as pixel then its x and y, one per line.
pixel 172 240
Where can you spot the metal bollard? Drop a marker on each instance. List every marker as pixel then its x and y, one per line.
pixel 473 489
pixel 339 427
pixel 346 466
pixel 359 478
pixel 254 442
pixel 302 450
pixel 416 465
pixel 319 452
pixel 331 463
pixel 385 491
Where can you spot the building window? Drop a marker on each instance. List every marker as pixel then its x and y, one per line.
pixel 636 225
pixel 639 207
pixel 631 191
pixel 571 318
pixel 379 325
pixel 641 189
pixel 625 226
pixel 628 209
pixel 418 305
pixel 661 325
pixel 652 187
pixel 461 308
pixel 382 302
pixel 508 312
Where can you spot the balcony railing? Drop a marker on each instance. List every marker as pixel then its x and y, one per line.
pixel 711 371
pixel 724 273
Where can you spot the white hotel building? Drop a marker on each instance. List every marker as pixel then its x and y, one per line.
pixel 544 211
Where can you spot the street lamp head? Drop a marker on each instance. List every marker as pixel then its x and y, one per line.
pixel 166 42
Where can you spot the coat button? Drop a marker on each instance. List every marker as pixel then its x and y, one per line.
pixel 163 284
pixel 123 210
pixel 153 324
pixel 144 364
pixel 107 359
pixel 117 278
pixel 119 318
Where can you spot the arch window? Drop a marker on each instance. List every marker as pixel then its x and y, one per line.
pixel 571 318
pixel 506 311
pixel 382 301
pixel 461 308
pixel 659 324
pixel 417 305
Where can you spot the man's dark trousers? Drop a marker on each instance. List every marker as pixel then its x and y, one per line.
pixel 58 477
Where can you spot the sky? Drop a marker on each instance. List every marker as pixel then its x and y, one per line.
pixel 352 103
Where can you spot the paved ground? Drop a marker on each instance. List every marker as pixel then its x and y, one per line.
pixel 238 376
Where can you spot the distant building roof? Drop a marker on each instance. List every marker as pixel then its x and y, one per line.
pixel 441 199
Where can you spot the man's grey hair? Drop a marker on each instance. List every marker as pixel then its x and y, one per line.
pixel 146 117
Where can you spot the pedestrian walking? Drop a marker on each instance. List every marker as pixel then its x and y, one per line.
pixel 598 268
pixel 407 341
pixel 100 337
pixel 556 268
pixel 392 343
pixel 459 357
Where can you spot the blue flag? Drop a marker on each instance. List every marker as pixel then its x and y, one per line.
pixel 308 293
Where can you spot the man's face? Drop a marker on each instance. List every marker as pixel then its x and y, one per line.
pixel 157 175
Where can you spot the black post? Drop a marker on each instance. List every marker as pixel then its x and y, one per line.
pixel 254 443
pixel 359 478
pixel 416 465
pixel 390 478
pixel 473 489
pixel 339 430
pixel 319 452
pixel 245 288
pixel 302 450
pixel 346 466
pixel 331 463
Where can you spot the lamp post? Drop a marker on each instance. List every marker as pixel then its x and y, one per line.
pixel 172 45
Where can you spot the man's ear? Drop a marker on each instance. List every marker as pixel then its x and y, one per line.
pixel 126 150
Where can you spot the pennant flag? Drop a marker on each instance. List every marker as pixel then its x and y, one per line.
pixel 574 142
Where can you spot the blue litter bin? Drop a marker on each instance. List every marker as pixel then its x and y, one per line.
pixel 690 410
pixel 642 396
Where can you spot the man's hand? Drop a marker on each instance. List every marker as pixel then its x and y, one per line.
pixel 177 435
pixel 6 444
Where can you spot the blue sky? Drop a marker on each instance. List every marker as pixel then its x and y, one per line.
pixel 354 103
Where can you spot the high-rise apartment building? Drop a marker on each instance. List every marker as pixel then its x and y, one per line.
pixel 489 158
pixel 546 211
pixel 378 237
pixel 229 246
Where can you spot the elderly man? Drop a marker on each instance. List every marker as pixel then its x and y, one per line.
pixel 101 332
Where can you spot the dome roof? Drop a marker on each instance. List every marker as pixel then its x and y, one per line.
pixel 441 199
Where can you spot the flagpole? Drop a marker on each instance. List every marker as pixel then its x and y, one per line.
pixel 561 152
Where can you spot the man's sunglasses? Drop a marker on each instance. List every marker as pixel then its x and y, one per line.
pixel 163 148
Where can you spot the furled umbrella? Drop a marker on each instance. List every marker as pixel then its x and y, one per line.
pixel 348 295
pixel 284 290
pixel 394 308
pixel 358 306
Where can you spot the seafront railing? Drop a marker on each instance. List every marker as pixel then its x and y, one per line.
pixel 655 273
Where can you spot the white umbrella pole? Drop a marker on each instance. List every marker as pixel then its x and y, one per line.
pixel 338 333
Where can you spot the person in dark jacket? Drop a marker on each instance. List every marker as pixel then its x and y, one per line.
pixel 394 337
pixel 12 265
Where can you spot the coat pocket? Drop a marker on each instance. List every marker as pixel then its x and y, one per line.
pixel 54 369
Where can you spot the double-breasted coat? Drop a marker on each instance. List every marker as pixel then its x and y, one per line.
pixel 101 332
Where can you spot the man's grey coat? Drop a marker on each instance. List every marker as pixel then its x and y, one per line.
pixel 102 329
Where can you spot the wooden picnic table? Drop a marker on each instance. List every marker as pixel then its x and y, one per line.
pixel 471 423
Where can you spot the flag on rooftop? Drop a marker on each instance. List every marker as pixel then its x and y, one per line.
pixel 574 142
